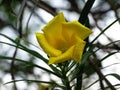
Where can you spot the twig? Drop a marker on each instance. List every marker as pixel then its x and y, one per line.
pixel 19 19
pixel 32 10
pixel 12 68
pixel 113 7
pixel 19 27
pixel 44 6
pixel 101 83
pixel 100 74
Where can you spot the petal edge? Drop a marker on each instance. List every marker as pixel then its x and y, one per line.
pixel 45 46
pixel 78 50
pixel 63 57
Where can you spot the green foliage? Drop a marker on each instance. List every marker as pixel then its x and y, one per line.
pixel 70 73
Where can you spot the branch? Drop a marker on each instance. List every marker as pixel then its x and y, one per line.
pixel 19 27
pixel 100 74
pixel 44 6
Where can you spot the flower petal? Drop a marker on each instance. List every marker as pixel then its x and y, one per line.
pixel 63 57
pixel 45 46
pixel 53 31
pixel 78 50
pixel 75 28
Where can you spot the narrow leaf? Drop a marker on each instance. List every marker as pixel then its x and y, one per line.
pixel 105 30
pixel 27 62
pixel 115 75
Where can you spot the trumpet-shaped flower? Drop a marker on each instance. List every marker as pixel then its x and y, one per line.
pixel 62 40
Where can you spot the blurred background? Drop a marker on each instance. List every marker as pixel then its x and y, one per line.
pixel 22 18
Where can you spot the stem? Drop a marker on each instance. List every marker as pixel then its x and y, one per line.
pixel 19 27
pixel 66 82
pixel 79 77
pixel 12 68
pixel 65 79
pixel 101 82
pixel 85 11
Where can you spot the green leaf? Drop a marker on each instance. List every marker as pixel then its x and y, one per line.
pixel 32 52
pixel 80 68
pixel 90 85
pixel 81 64
pixel 27 62
pixel 110 54
pixel 52 83
pixel 114 75
pixel 105 46
pixel 104 30
pixel 37 81
pixel 85 11
pixel 110 65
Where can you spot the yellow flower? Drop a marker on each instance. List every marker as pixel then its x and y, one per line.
pixel 62 40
